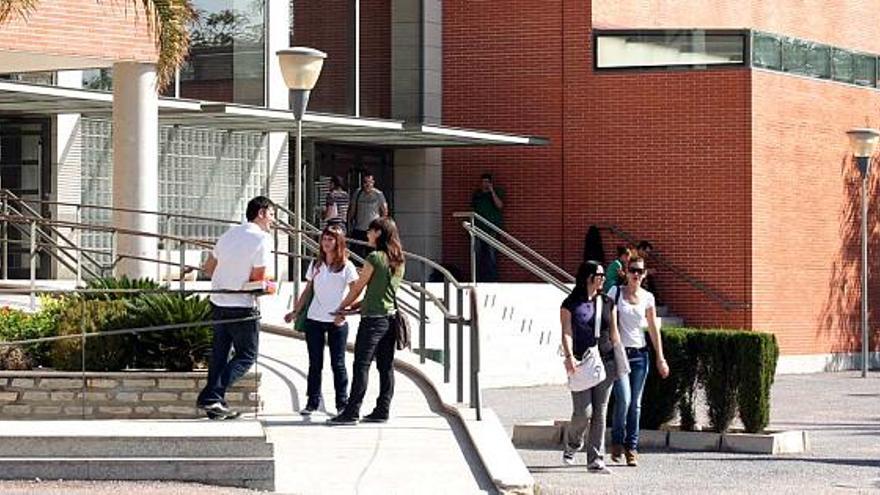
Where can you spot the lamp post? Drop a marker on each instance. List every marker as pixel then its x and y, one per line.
pixel 862 142
pixel 300 67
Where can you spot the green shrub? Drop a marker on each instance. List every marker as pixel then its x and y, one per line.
pixel 661 396
pixel 110 283
pixel 718 376
pixel 20 325
pixel 103 353
pixel 688 374
pixel 175 350
pixel 757 354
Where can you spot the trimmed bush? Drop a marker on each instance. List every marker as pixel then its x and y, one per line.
pixel 109 283
pixel 19 325
pixel 110 353
pixel 734 368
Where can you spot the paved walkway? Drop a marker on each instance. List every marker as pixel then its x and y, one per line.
pixel 841 411
pixel 417 451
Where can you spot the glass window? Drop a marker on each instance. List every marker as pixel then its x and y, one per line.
pixel 806 58
pixel 766 51
pixel 842 65
pixel 669 49
pixel 99 79
pixel 227 53
pixel 865 70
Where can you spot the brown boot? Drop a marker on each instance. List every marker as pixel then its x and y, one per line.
pixel 632 457
pixel 617 453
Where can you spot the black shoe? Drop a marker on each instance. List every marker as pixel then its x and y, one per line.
pixel 375 417
pixel 309 409
pixel 342 420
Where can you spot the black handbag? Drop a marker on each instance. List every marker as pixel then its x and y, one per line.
pixel 401 329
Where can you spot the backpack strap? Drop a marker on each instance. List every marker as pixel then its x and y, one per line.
pixel 597 318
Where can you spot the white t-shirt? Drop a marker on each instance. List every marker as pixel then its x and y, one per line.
pixel 330 288
pixel 631 318
pixel 238 251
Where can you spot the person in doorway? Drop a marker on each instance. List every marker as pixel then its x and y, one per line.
pixel 241 255
pixel 636 311
pixel 381 275
pixel 578 319
pixel 336 203
pixel 367 205
pixel 614 273
pixel 330 278
pixel 488 202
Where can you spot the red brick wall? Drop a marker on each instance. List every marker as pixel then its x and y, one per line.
pixel 807 213
pixel 115 31
pixel 838 22
pixel 326 25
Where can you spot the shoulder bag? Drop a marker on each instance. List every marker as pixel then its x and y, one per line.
pixel 590 371
pixel 401 329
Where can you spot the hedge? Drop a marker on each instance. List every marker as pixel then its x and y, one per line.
pixel 734 368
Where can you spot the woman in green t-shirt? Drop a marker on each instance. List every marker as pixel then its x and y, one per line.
pixel 381 275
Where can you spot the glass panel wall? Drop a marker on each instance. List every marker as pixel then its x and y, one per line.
pixel 669 49
pixel 227 53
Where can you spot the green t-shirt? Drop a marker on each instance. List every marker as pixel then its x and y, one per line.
pixel 484 206
pixel 379 298
pixel 611 275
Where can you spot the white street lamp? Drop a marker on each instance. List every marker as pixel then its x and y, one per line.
pixel 862 143
pixel 300 67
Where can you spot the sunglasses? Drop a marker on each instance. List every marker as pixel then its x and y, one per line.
pixel 637 271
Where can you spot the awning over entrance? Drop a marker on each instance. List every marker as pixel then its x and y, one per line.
pixel 19 98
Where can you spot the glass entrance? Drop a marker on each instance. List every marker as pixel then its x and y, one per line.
pixel 349 163
pixel 24 171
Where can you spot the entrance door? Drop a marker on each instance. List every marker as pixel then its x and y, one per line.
pixel 24 155
pixel 350 163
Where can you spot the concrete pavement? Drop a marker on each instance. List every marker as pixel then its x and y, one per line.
pixel 417 451
pixel 841 411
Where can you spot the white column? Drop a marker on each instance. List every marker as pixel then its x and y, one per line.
pixel 66 166
pixel 135 163
pixel 278 96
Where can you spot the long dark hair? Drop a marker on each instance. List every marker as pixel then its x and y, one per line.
pixel 340 254
pixel 388 241
pixel 585 271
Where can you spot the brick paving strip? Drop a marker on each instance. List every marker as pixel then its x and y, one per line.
pixel 841 412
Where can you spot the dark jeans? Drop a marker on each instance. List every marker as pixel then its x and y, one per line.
pixel 487 262
pixel 628 400
pixel 244 338
pixel 374 340
pixel 317 334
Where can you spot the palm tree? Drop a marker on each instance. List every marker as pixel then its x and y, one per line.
pixel 168 20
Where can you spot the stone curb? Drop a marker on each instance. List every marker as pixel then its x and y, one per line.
pixel 548 435
pixel 499 458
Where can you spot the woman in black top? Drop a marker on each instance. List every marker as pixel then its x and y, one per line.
pixel 577 316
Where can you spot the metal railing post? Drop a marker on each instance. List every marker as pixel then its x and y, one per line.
pixel 182 248
pixel 78 236
pixel 422 318
pixel 168 251
pixel 473 254
pixel 5 239
pixel 113 236
pixel 459 342
pixel 476 400
pixel 446 349
pixel 275 253
pixel 163 226
pixel 33 263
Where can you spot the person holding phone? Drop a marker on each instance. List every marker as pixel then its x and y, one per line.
pixel 381 276
pixel 330 278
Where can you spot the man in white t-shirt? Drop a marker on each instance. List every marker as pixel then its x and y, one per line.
pixel 241 255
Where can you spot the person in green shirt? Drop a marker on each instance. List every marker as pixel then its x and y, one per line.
pixel 488 202
pixel 381 275
pixel 614 272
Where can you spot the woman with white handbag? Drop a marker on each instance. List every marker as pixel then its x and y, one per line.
pixel 589 331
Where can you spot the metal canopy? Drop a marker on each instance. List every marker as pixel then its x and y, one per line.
pixel 21 98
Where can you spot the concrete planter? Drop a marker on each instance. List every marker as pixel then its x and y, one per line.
pixel 45 394
pixel 548 435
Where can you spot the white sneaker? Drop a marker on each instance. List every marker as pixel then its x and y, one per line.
pixel 598 467
pixel 568 457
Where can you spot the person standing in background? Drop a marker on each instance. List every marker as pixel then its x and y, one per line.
pixel 367 205
pixel 488 202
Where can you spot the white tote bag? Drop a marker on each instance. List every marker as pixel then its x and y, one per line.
pixel 590 371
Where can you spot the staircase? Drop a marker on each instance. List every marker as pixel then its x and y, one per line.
pixel 218 453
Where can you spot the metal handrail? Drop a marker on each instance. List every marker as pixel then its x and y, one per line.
pixel 716 295
pixel 516 242
pixel 516 257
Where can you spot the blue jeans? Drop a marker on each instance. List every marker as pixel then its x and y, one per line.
pixel 244 338
pixel 374 341
pixel 317 334
pixel 487 262
pixel 628 400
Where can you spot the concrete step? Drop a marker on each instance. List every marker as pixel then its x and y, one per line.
pixel 247 472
